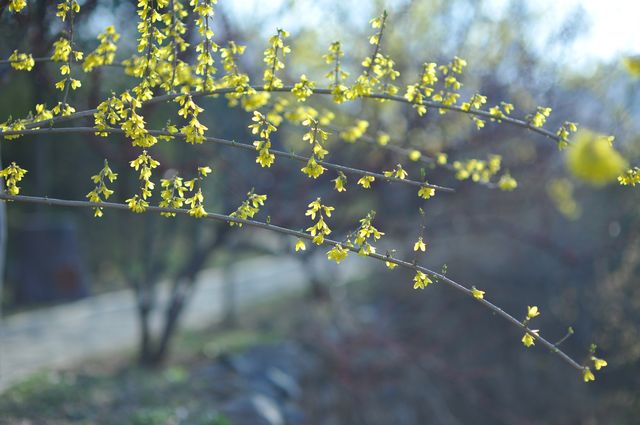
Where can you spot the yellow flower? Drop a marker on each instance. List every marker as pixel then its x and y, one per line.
pixel 340 182
pixel 352 134
pixel 313 169
pixel 22 61
pixel 13 174
pixel 137 204
pixel 303 89
pixel 300 245
pixel 587 375
pixel 390 265
pixel 507 182
pixel 632 63
pixel 197 210
pixel 397 172
pixel 421 280
pixel 477 293
pixel 592 158
pixel 366 181
pixel 539 118
pixel 630 177
pixel 560 191
pixel 265 158
pixel 203 171
pixel 426 192
pixel 320 229
pixel 249 208
pixel 420 245
pixel 337 254
pixel 17 5
pixel 383 139
pixel 598 363
pixel 415 155
pixel 532 311
pixel 528 340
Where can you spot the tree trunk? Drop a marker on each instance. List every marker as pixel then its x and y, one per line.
pixel 145 352
pixel 172 317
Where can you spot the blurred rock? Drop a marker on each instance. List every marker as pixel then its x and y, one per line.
pixel 255 409
pixel 261 385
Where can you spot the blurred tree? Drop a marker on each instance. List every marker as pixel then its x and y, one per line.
pixel 173 69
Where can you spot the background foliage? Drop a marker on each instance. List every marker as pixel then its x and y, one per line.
pixel 556 241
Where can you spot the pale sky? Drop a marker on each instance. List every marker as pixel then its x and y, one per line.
pixel 614 24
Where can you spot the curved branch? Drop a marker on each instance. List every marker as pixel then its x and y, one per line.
pixel 381 96
pixel 48 59
pixel 327 92
pixel 399 150
pixel 233 143
pixel 400 99
pixel 328 242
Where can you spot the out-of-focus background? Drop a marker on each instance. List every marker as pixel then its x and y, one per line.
pixel 138 319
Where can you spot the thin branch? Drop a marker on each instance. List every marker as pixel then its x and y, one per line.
pixel 405 152
pixel 376 50
pixel 438 105
pixel 327 242
pixel 67 82
pixel 48 59
pixel 233 143
pixel 327 92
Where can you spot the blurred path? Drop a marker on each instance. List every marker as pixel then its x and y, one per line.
pixel 61 335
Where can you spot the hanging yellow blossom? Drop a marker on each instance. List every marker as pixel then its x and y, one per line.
pixel 630 177
pixel 415 155
pixel 16 6
pixel 337 253
pixel 105 53
pixel 340 182
pixel 101 191
pixel 366 181
pixel 592 158
pixel 598 363
pixel 421 280
pixel 587 375
pixel 420 245
pixel 12 175
pixel 249 207
pixel 313 169
pixel 507 182
pixel 303 89
pixel 320 229
pixel 300 245
pixel 398 172
pixel 528 340
pixel 21 61
pixel 632 64
pixel 426 192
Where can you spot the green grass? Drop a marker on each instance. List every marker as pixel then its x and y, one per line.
pixel 130 396
pixel 112 391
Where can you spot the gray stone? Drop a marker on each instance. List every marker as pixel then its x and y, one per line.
pixel 283 382
pixel 255 409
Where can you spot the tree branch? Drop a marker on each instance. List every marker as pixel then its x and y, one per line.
pixel 327 242
pixel 317 91
pixel 233 143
